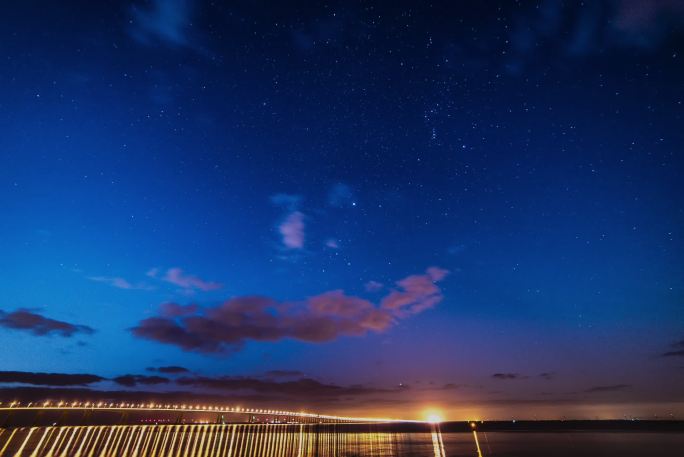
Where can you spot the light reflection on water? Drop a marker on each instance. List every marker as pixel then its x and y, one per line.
pixel 236 440
pixel 321 440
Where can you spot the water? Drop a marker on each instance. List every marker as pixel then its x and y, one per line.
pixel 320 440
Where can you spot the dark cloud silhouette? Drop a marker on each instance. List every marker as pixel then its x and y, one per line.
pixel 131 380
pixel 48 379
pixel 23 319
pixel 508 376
pixel 677 350
pixel 255 400
pixel 450 386
pixel 169 370
pixel 320 318
pixel 548 376
pixel 284 374
pixel 294 388
pixel 611 388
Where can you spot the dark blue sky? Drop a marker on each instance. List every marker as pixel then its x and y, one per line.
pixel 406 204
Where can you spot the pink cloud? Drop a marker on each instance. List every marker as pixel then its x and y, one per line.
pixel 179 278
pixel 319 318
pixel 292 230
pixel 415 293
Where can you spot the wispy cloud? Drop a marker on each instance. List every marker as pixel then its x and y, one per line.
pixel 289 202
pixel 173 369
pixel 178 277
pixel 577 30
pixel 23 319
pixel 341 196
pixel 610 388
pixel 373 286
pixel 163 21
pixel 320 318
pixel 121 283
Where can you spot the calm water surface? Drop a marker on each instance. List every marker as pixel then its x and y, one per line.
pixel 246 440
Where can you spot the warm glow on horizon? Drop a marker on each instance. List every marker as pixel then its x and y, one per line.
pixel 434 416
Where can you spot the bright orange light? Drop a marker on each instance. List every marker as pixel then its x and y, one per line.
pixel 433 416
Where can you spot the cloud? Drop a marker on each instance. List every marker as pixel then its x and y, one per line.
pixel 27 394
pixel 284 374
pixel 373 286
pixel 677 350
pixel 169 370
pixel 291 227
pixel 152 272
pixel 120 283
pixel 574 30
pixel 292 230
pixel 48 379
pixel 611 388
pixel 163 21
pixel 288 201
pixel 638 16
pixel 547 376
pixel 304 387
pixel 332 243
pixel 321 318
pixel 416 293
pixel 508 376
pixel 23 319
pixel 341 196
pixel 177 277
pixel 131 380
pixel 455 249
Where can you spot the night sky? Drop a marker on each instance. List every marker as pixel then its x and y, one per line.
pixel 349 206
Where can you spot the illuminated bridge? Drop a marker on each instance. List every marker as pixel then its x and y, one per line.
pixel 238 414
pixel 203 432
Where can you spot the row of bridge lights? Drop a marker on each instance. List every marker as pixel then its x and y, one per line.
pixel 93 405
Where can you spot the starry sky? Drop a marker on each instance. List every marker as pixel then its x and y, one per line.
pixel 349 206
